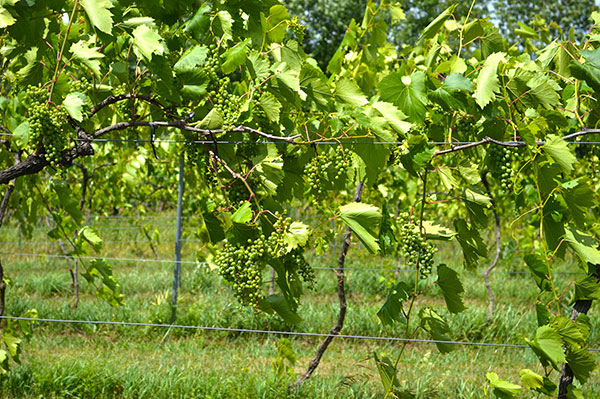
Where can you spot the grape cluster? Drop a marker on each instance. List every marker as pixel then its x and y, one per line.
pixel 227 103
pixel 237 192
pixel 500 161
pixel 464 127
pixel 298 28
pixel 222 99
pixel 416 249
pixel 319 168
pixel 295 261
pixel 48 126
pixel 243 265
pixel 82 86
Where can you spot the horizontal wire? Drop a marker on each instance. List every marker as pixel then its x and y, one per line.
pixel 294 333
pixel 393 269
pixel 334 142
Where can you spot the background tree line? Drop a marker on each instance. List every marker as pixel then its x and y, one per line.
pixel 327 20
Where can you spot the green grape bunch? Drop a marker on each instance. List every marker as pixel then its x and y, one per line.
pixel 500 161
pixel 48 126
pixel 464 127
pixel 82 85
pixel 416 250
pixel 242 265
pixel 322 167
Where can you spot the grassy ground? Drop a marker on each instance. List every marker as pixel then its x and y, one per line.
pixel 87 361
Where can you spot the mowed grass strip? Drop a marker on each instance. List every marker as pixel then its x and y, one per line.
pixel 67 361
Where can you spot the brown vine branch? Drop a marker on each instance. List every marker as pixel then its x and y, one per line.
pixel 489 140
pixel 487 271
pixel 342 300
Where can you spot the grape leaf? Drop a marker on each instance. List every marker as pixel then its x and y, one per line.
pixel 235 57
pixel 452 289
pixel 74 103
pixel 191 59
pixel 584 245
pixel 297 236
pixel 487 81
pixel 532 380
pixel 6 18
pixel 407 93
pixel 99 14
pixel 502 389
pixel 557 148
pixel 90 234
pixel 547 345
pixel 434 26
pixel 271 105
pixel 147 42
pixel 391 310
pixel 582 363
pixel 387 372
pixel 437 328
pixel 363 219
pixel 393 116
pixel 350 93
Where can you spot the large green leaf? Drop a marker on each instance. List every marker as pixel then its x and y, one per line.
pixel 560 153
pixel 349 92
pixel 281 306
pixel 582 363
pixel 243 214
pixel 587 288
pixel 391 311
pixel 579 197
pixel 192 59
pixel 296 236
pixel 436 326
pixel 277 23
pixel 471 243
pixel 235 57
pixel 6 18
pixel 536 382
pixel 547 345
pixel 393 116
pixel 90 234
pixel 434 26
pixel 99 14
pixel 502 389
pixel 452 289
pixel 65 196
pixel 87 55
pixel 13 343
pixel 74 103
pixel 271 105
pixel 584 245
pixel 487 81
pixel 539 270
pixel 407 93
pixel 586 72
pixel 147 42
pixel 199 22
pixel 363 219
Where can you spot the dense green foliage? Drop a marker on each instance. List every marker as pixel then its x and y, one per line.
pixel 123 88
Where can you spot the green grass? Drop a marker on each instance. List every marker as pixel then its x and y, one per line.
pixel 98 361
